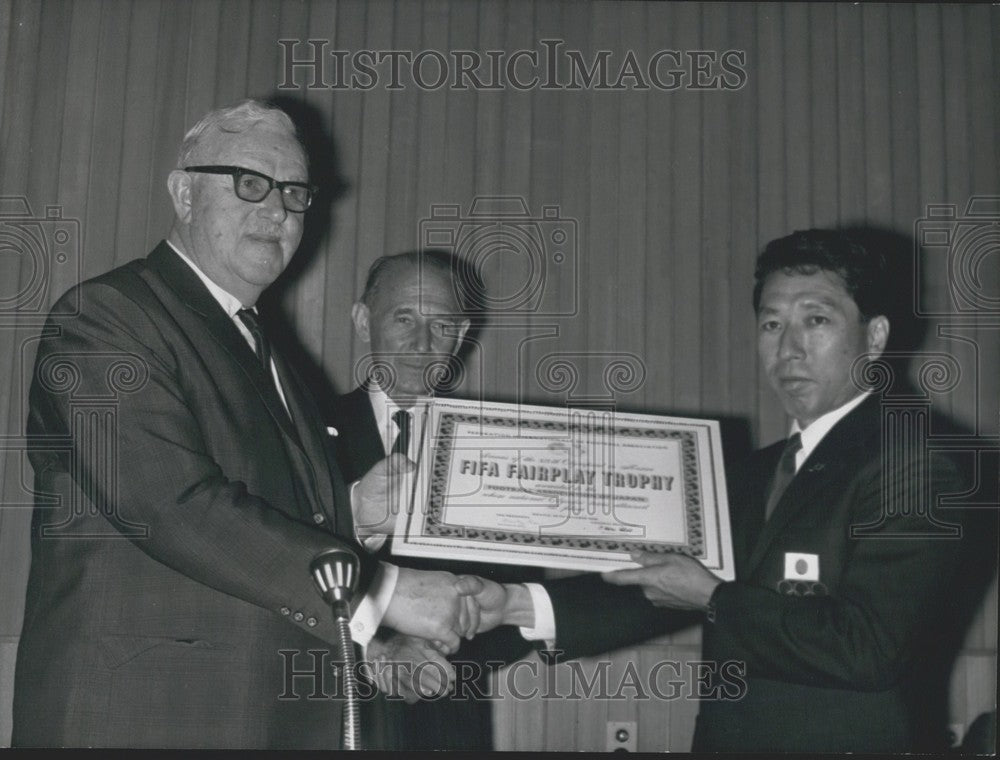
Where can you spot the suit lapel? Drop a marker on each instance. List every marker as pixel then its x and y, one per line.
pixel 305 418
pixel 819 474
pixel 192 292
pixel 366 448
pixel 748 520
pixel 317 473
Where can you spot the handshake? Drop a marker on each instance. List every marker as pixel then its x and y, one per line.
pixel 444 608
pixel 430 613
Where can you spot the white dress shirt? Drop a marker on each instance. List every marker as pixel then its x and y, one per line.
pixel 384 408
pixel 816 432
pixel 231 304
pixel 370 609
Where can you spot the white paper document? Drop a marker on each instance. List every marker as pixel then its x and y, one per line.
pixel 566 488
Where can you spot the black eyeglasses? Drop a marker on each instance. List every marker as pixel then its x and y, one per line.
pixel 254 187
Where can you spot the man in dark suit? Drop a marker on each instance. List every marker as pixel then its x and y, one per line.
pixel 183 486
pixel 839 565
pixel 410 314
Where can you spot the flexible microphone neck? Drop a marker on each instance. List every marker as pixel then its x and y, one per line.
pixel 335 572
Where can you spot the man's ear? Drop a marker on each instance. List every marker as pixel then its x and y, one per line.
pixel 179 186
pixel 360 315
pixel 878 334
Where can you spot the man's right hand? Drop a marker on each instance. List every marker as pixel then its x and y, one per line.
pixel 433 605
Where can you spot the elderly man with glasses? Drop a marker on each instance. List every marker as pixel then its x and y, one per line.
pixel 185 483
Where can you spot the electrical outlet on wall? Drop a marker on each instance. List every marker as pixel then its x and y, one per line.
pixel 623 736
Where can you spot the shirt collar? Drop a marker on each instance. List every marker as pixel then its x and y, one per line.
pixel 229 303
pixel 383 406
pixel 816 432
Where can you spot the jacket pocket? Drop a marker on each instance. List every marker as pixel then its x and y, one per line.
pixel 118 649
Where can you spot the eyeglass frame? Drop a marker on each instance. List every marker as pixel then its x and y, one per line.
pixel 237 172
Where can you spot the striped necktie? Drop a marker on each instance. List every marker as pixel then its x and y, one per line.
pixel 262 346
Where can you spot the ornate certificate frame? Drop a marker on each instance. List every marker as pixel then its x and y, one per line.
pixel 565 488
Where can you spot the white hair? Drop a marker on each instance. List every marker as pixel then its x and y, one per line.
pixel 233 119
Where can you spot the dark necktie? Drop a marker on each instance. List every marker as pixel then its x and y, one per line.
pixel 783 474
pixel 263 348
pixel 402 444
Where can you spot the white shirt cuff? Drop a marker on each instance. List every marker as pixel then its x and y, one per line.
pixel 371 608
pixel 354 512
pixel 373 542
pixel 545 616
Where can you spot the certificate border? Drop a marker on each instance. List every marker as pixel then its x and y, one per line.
pixel 449 543
pixel 434 526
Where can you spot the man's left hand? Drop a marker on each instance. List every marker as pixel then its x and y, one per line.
pixel 378 496
pixel 668 580
pixel 409 667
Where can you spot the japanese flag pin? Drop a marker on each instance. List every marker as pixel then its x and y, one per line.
pixel 801 567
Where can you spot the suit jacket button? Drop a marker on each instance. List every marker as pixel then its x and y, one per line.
pixel 298 617
pixel 285 611
pixel 318 518
pixel 311 622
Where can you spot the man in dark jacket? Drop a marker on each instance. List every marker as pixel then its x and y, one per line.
pixel 841 559
pixel 184 486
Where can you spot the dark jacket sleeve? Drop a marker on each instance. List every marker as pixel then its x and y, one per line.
pixel 594 617
pixel 861 634
pixel 195 517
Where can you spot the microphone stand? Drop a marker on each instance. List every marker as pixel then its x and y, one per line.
pixel 335 572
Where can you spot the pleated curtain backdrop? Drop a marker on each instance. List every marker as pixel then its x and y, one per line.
pixel 789 117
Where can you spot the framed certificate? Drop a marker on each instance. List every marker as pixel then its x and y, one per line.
pixel 565 488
